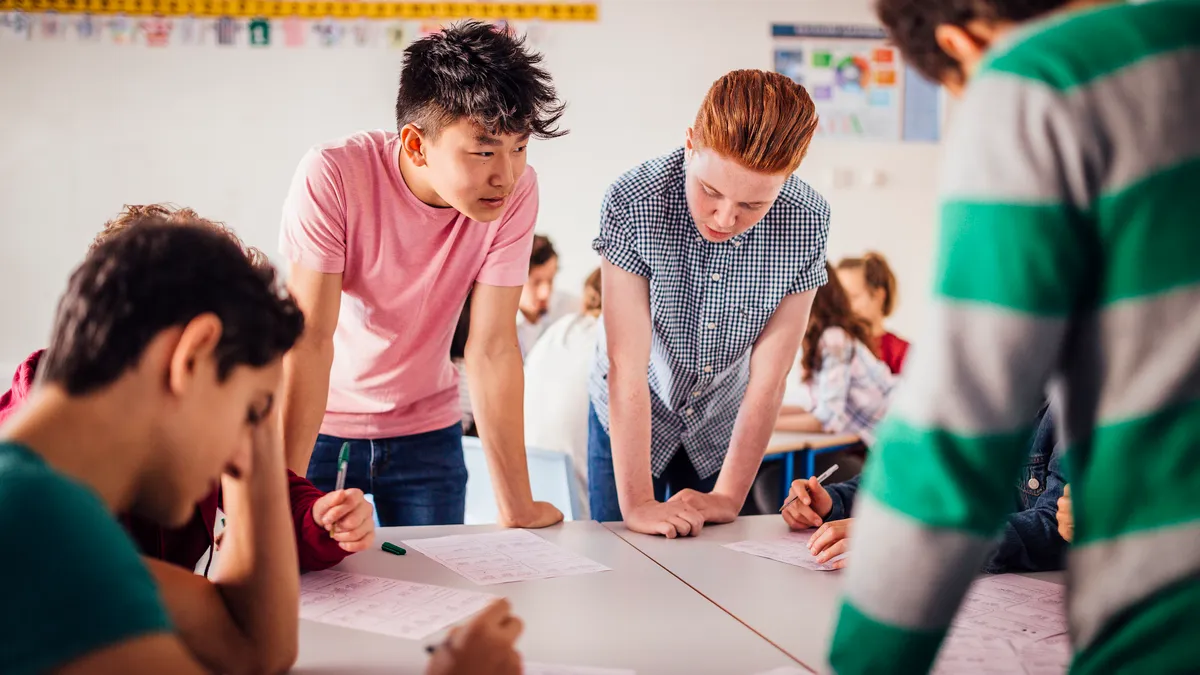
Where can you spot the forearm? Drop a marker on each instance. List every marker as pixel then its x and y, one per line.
pixel 497 382
pixel 305 395
pixel 257 574
pixel 804 422
pixel 751 433
pixel 629 430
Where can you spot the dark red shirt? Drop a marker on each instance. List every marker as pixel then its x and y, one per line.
pixel 186 545
pixel 892 350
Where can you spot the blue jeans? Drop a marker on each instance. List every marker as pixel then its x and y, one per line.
pixel 602 480
pixel 415 480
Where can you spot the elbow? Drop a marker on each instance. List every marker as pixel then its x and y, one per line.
pixel 274 661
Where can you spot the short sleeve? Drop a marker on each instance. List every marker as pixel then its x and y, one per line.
pixel 507 261
pixel 75 583
pixel 313 234
pixel 813 275
pixel 614 242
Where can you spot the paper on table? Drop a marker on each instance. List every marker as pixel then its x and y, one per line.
pixel 504 557
pixel 398 608
pixel 787 670
pixel 1008 624
pixel 791 548
pixel 550 669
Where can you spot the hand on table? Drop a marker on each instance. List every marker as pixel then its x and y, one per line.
pixel 348 517
pixel 1066 520
pixel 809 506
pixel 670 519
pixel 831 540
pixel 714 506
pixel 542 514
pixel 484 645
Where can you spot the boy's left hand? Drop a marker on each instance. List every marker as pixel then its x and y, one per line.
pixel 714 506
pixel 348 517
pixel 831 540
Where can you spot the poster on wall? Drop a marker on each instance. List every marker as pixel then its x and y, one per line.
pixel 860 85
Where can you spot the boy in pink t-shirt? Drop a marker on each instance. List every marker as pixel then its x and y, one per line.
pixel 386 233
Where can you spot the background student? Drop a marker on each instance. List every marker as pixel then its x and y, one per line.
pixel 541 306
pixel 871 287
pixel 850 388
pixel 386 234
pixel 712 254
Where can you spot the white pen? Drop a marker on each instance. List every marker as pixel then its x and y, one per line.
pixel 820 479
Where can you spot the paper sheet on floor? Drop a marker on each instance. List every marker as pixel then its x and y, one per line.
pixel 398 608
pixel 504 557
pixel 551 669
pixel 791 548
pixel 1008 624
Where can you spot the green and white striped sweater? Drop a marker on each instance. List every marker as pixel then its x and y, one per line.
pixel 1069 259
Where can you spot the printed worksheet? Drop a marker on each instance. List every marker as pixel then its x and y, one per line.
pixel 791 548
pixel 549 669
pixel 504 557
pixel 389 606
pixel 1008 624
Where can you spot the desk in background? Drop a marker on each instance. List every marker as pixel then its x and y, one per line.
pixel 638 616
pixel 785 445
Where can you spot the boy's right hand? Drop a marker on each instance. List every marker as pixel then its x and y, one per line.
pixel 543 514
pixel 485 646
pixel 670 519
pixel 1066 521
pixel 810 504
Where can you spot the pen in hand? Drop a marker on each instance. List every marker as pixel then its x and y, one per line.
pixel 820 479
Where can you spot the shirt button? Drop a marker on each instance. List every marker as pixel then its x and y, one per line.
pixel 708 369
pixel 1033 484
pixel 689 411
pixel 737 244
pixel 712 326
pixel 696 394
pixel 716 277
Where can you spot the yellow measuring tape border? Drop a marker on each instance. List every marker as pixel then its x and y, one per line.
pixel 287 8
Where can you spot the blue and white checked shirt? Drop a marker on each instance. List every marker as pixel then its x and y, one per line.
pixel 708 301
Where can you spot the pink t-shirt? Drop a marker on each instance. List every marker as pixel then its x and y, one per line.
pixel 406 270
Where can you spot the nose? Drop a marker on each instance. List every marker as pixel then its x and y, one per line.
pixel 506 172
pixel 725 217
pixel 239 463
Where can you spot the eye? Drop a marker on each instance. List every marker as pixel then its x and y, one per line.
pixel 485 155
pixel 253 417
pixel 520 149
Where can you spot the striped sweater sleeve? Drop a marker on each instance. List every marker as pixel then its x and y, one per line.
pixel 1011 260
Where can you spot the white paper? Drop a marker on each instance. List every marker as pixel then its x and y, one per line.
pixel 791 548
pixel 550 669
pixel 787 670
pixel 504 557
pixel 398 608
pixel 1008 624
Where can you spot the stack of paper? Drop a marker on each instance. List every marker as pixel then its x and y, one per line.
pixel 792 548
pixel 504 557
pixel 1008 624
pixel 389 606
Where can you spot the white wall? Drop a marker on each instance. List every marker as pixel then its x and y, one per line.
pixel 85 128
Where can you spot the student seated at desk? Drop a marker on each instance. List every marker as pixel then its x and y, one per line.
pixel 328 527
pixel 1034 539
pixel 850 387
pixel 871 287
pixel 159 381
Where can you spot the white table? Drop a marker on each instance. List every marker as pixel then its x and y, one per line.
pixel 793 608
pixel 638 616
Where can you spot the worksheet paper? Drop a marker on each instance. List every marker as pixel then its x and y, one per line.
pixel 791 548
pixel 548 669
pixel 398 608
pixel 504 557
pixel 1008 625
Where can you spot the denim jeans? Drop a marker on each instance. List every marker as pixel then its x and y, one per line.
pixel 602 481
pixel 415 480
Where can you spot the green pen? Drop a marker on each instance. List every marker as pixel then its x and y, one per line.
pixel 393 549
pixel 343 464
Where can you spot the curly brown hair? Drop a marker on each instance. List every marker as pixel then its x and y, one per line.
pixel 171 214
pixel 831 309
pixel 877 274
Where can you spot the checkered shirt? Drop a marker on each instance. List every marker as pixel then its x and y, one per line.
pixel 708 301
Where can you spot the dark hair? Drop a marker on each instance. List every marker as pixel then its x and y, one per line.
pixel 831 309
pixel 473 70
pixel 911 25
pixel 133 214
pixel 877 274
pixel 542 252
pixel 458 343
pixel 156 275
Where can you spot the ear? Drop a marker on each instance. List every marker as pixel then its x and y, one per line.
pixel 193 352
pixel 412 144
pixel 966 45
pixel 688 146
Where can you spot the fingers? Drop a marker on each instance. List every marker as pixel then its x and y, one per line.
pixel 694 518
pixel 837 548
pixel 827 535
pixel 803 515
pixel 666 529
pixel 681 525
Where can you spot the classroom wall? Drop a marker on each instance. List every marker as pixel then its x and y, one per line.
pixel 89 127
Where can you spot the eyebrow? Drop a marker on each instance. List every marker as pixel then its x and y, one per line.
pixel 270 404
pixel 484 139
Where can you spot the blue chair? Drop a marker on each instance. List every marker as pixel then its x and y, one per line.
pixel 551 475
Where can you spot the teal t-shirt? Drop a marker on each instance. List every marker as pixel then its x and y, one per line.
pixel 73 581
